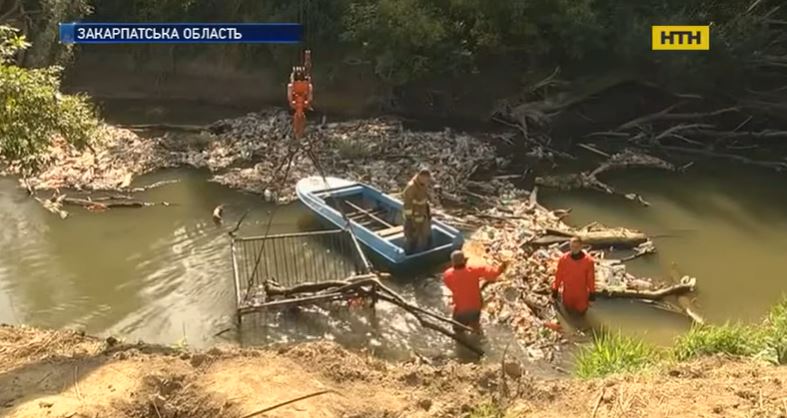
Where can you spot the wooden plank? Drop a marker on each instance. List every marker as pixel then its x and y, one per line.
pixel 370 214
pixel 391 231
pixel 355 215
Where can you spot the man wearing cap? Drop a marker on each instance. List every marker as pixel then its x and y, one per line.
pixel 417 216
pixel 464 282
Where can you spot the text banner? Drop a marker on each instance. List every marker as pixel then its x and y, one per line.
pixel 146 33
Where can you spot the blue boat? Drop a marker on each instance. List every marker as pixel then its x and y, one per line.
pixel 376 220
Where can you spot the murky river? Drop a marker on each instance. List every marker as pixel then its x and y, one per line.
pixel 163 274
pixel 722 223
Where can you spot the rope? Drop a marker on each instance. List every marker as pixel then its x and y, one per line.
pixel 367 266
pixel 290 158
pixel 307 32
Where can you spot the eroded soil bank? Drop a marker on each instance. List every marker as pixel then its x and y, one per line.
pixel 66 374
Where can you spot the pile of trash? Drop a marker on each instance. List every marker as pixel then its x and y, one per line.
pixel 250 153
pixel 375 151
pixel 522 299
pixel 115 158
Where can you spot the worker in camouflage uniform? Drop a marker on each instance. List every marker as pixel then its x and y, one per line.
pixel 417 216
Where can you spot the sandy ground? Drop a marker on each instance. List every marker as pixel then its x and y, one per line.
pixel 66 374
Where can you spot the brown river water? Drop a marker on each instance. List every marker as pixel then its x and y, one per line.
pixel 163 274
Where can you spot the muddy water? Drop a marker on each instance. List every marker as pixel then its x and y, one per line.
pixel 163 274
pixel 722 223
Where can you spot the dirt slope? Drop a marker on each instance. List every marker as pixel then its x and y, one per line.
pixel 65 374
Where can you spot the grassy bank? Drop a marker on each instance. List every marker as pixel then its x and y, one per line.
pixel 615 353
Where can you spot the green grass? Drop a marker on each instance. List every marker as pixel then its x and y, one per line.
pixel 776 334
pixel 486 410
pixel 732 339
pixel 610 354
pixel 614 353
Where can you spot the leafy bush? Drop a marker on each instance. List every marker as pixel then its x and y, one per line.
pixel 33 109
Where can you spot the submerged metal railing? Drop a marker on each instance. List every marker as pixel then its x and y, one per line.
pixel 288 260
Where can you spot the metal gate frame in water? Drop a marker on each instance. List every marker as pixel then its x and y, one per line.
pixel 295 259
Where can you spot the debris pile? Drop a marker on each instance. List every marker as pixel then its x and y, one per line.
pixel 376 151
pixel 589 179
pixel 522 298
pixel 117 156
pixel 514 231
pixel 251 153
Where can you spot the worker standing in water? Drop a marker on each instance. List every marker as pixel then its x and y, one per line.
pixel 299 95
pixel 464 282
pixel 576 277
pixel 417 214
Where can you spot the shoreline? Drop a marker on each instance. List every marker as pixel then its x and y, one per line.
pixel 245 153
pixel 65 373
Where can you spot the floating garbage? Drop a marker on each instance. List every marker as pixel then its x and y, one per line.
pixel 250 153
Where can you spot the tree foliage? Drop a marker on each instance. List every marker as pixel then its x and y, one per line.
pixel 410 39
pixel 33 111
pixel 407 41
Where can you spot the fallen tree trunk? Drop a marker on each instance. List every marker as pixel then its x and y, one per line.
pixel 165 127
pixel 776 165
pixel 335 289
pixel 150 186
pixel 92 204
pixel 648 294
pixel 590 180
pixel 613 238
pixel 602 238
pixel 426 324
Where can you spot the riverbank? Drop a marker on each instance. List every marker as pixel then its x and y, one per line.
pixel 66 374
pixel 476 192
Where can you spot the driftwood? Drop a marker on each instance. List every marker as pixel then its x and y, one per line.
pixel 150 186
pixel 777 165
pixel 648 294
pixel 52 205
pixel 645 248
pixel 598 237
pixel 589 179
pixel 665 115
pixel 96 204
pixel 165 127
pixel 369 285
pixel 102 205
pixel 426 324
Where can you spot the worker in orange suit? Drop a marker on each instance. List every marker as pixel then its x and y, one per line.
pixel 464 282
pixel 299 94
pixel 576 276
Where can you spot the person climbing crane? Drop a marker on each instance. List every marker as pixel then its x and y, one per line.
pixel 300 95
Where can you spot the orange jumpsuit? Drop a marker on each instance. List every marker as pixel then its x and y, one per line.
pixel 300 93
pixel 465 287
pixel 578 280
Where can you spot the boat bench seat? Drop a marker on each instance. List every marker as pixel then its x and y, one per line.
pixel 390 233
